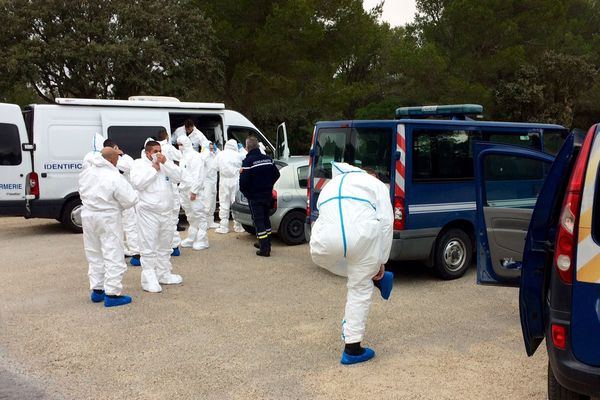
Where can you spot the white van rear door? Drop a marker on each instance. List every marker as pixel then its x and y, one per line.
pixel 15 162
pixel 130 128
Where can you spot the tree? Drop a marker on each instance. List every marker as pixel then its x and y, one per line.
pixel 108 49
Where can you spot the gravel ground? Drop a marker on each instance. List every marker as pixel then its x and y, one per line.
pixel 243 327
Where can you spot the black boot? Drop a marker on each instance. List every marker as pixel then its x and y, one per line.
pixel 264 248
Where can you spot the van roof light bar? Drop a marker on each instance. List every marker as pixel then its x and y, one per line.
pixel 455 111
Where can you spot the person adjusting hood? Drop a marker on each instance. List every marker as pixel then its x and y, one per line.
pixel 193 173
pixel 229 163
pixel 104 195
pixel 352 237
pixel 209 193
pixel 153 176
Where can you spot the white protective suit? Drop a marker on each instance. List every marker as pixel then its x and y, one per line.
pixel 131 240
pixel 154 212
pixel 197 137
pixel 352 237
pixel 104 194
pixel 174 155
pixel 192 182
pixel 229 163
pixel 209 194
pixel 97 144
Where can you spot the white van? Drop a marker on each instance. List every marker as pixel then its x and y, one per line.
pixel 42 147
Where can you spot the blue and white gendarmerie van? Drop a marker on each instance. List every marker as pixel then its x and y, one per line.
pixel 550 247
pixel 42 146
pixel 426 158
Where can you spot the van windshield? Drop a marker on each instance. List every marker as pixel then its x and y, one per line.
pixel 362 147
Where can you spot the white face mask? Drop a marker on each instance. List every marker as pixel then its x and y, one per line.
pixel 155 158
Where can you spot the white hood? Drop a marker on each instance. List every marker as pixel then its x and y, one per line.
pixel 185 144
pixel 231 145
pixel 338 168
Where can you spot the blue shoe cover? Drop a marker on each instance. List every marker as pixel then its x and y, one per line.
pixel 347 359
pixel 176 252
pixel 386 284
pixel 135 262
pixel 97 297
pixel 116 301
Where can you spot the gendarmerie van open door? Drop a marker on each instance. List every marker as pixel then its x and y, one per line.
pixel 15 161
pixel 518 192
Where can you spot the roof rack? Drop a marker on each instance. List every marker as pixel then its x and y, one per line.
pixel 159 103
pixel 454 111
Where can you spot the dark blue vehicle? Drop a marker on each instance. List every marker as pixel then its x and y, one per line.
pixel 551 250
pixel 425 156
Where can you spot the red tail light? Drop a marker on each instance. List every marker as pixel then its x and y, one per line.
pixel 399 215
pixel 559 336
pixel 274 195
pixel 33 185
pixel 564 255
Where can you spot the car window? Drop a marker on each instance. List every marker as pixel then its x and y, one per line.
pixel 10 145
pixel 303 176
pixel 373 150
pixel 331 146
pixel 553 141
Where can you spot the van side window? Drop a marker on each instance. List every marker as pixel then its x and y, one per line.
pixel 531 140
pixel 10 145
pixel 513 181
pixel 131 138
pixel 331 145
pixel 440 155
pixel 373 150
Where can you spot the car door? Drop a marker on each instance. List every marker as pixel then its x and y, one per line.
pixel 281 143
pixel 525 264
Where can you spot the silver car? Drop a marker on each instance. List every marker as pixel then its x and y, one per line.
pixel 289 217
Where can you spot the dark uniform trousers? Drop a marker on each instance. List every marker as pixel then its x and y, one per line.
pixel 260 215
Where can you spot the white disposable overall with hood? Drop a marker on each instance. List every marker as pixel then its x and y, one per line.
pixel 196 137
pixel 229 163
pixel 131 240
pixel 209 193
pixel 97 144
pixel 154 211
pixel 104 194
pixel 352 237
pixel 192 181
pixel 174 155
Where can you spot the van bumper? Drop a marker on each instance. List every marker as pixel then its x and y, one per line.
pixel 413 244
pixel 12 208
pixel 569 372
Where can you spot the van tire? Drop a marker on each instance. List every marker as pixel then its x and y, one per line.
pixel 70 221
pixel 291 229
pixel 453 254
pixel 558 392
pixel 250 229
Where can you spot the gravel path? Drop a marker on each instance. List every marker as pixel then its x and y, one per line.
pixel 243 327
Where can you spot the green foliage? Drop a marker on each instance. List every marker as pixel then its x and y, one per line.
pixel 106 49
pixel 301 61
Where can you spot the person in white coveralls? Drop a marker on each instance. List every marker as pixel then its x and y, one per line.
pixel 229 163
pixel 104 195
pixel 152 176
pixel 352 237
pixel 193 172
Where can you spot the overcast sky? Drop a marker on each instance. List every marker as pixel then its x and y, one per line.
pixel 395 12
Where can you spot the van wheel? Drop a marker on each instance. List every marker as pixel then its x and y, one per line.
pixel 453 253
pixel 291 230
pixel 249 229
pixel 558 392
pixel 71 216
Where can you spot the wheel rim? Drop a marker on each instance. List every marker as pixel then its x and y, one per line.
pixel 76 216
pixel 455 253
pixel 295 228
